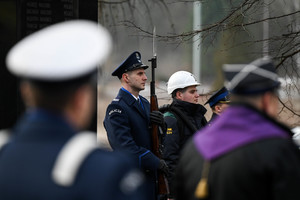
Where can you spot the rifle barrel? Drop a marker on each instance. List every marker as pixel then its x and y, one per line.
pixel 162 187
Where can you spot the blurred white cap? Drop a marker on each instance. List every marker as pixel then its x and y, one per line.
pixel 60 52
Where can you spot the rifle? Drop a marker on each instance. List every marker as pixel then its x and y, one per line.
pixel 162 184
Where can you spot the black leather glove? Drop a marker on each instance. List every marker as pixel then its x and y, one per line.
pixel 163 167
pixel 156 117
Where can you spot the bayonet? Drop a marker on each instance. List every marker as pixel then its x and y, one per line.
pixel 162 184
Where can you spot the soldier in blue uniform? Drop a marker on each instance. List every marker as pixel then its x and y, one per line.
pixel 128 118
pixel 218 102
pixel 49 157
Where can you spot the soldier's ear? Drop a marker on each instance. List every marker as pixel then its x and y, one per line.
pixel 27 93
pixel 80 106
pixel 179 95
pixel 269 104
pixel 125 77
pixel 218 108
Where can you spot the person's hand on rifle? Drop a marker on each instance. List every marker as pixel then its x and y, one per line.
pixel 163 167
pixel 156 117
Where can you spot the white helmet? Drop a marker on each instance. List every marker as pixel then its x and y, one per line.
pixel 180 80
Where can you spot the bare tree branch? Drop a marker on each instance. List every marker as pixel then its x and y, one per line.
pixel 242 17
pixel 288 108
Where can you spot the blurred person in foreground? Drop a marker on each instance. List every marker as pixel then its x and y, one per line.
pixel 246 154
pixel 218 103
pixel 128 119
pixel 48 157
pixel 183 117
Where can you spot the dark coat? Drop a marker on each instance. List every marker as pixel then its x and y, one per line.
pixel 27 163
pixel 213 117
pixel 128 129
pixel 251 156
pixel 178 132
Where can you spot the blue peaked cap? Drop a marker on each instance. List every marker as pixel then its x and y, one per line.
pixel 131 63
pixel 221 95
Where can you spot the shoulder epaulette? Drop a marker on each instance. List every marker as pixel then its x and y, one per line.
pixel 71 157
pixel 4 137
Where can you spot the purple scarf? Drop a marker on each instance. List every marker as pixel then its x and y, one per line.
pixel 236 127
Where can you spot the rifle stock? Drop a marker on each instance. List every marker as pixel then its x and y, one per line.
pixel 162 184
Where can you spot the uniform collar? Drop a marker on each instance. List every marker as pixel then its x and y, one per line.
pixel 127 97
pixel 136 98
pixel 44 123
pixel 189 107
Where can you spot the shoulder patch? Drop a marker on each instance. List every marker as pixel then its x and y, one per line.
pixel 116 100
pixel 169 131
pixel 115 111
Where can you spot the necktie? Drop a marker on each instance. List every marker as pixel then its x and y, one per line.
pixel 139 101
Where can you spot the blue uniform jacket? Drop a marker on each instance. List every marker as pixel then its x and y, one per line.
pixel 26 164
pixel 128 128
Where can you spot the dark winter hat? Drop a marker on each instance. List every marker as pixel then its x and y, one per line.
pixel 221 96
pixel 255 78
pixel 133 62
